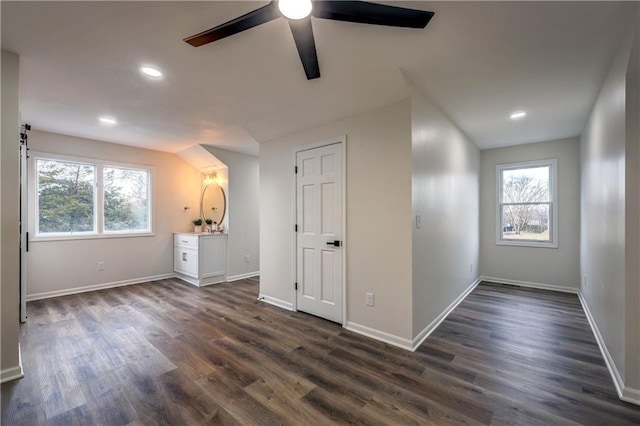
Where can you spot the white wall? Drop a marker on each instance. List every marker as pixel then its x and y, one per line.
pixel 54 266
pixel 201 159
pixel 243 210
pixel 10 217
pixel 602 244
pixel 632 223
pixel 378 234
pixel 547 266
pixel 446 167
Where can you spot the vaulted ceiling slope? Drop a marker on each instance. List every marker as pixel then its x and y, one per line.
pixel 479 61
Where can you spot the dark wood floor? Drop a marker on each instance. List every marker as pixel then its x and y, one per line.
pixel 169 353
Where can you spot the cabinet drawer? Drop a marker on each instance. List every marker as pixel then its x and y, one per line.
pixel 185 261
pixel 190 241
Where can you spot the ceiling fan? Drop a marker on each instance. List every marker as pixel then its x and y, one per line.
pixel 298 13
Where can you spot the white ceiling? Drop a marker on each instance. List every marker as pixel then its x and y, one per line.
pixel 478 60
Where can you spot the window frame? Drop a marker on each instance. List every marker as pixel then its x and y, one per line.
pixel 553 203
pixel 98 198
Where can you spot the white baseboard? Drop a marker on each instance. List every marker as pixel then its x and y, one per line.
pixel 631 395
pixel 624 393
pixel 421 337
pixel 243 276
pixel 382 336
pixel 13 373
pixel 540 286
pixel 68 291
pixel 276 302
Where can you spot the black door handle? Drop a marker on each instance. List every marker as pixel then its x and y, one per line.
pixel 336 243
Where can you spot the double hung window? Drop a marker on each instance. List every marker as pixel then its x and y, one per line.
pixel 527 204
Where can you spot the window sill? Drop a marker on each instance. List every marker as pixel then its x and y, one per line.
pixel 534 244
pixel 40 239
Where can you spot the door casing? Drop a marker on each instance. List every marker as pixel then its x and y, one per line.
pixel 342 140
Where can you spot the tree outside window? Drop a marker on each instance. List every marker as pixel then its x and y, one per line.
pixel 67 194
pixel 126 199
pixel 526 203
pixel 66 197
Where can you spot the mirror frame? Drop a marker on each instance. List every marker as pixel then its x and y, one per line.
pixel 224 199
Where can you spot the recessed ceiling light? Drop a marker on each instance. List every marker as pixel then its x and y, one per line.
pixel 151 72
pixel 517 115
pixel 109 121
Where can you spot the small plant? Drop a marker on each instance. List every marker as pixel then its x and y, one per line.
pixel 197 222
pixel 208 221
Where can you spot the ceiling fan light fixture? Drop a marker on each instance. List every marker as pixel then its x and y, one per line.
pixel 295 9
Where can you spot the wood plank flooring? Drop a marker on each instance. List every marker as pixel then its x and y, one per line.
pixel 169 353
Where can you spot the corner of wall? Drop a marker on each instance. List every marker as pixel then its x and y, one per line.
pixel 610 244
pixel 445 221
pixel 13 373
pixel 10 215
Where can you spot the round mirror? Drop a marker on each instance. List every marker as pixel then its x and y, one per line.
pixel 213 203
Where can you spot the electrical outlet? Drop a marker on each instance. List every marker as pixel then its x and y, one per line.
pixel 471 268
pixel 369 299
pixel 247 258
pixel 585 281
pixel 101 266
pixel 418 222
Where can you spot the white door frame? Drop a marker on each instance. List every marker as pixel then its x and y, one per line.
pixel 342 140
pixel 24 227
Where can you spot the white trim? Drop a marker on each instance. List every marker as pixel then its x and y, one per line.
pixel 319 144
pixel 553 204
pixel 541 286
pixel 98 198
pixel 342 140
pixel 89 236
pixel 631 395
pixel 24 218
pixel 391 339
pixel 209 279
pixel 66 292
pixel 276 302
pixel 343 144
pixel 624 393
pixel 243 276
pixel 13 373
pixel 421 337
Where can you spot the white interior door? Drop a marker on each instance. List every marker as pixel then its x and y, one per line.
pixel 319 231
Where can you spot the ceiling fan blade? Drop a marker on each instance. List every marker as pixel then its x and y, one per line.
pixel 303 36
pixel 371 13
pixel 244 22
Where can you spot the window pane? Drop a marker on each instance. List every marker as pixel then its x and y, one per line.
pixel 526 222
pixel 65 197
pixel 126 200
pixel 528 185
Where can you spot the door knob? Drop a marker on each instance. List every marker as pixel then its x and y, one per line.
pixel 336 243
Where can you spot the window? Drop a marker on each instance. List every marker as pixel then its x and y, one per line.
pixel 66 197
pixel 126 200
pixel 527 204
pixel 86 198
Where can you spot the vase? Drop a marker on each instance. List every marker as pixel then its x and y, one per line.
pixel 197 229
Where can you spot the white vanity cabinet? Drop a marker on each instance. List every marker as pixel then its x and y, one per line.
pixel 200 259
